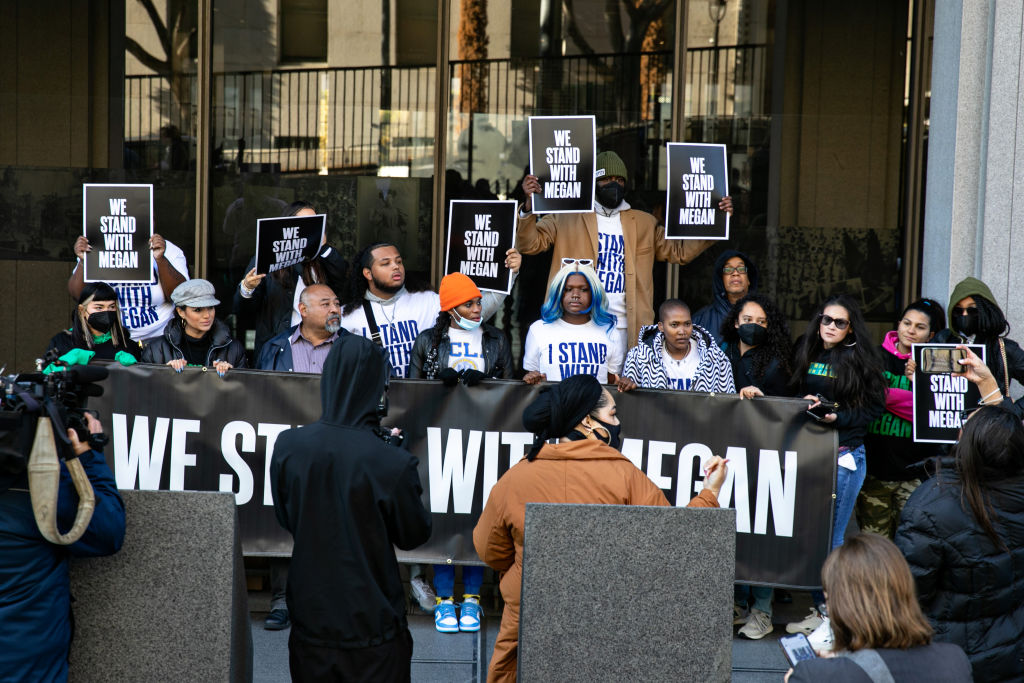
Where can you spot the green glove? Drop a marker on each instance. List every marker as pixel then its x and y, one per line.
pixel 125 358
pixel 78 357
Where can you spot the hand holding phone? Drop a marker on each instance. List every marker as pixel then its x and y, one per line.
pixel 797 648
pixel 822 409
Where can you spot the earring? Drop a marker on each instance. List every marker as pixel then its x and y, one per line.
pixel 849 345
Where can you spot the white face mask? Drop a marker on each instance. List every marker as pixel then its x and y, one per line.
pixel 468 325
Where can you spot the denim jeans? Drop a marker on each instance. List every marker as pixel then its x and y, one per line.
pixel 848 485
pixel 444 579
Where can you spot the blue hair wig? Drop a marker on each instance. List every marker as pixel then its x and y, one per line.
pixel 598 310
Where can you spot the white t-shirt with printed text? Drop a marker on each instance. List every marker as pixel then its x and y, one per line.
pixel 681 373
pixel 611 265
pixel 559 349
pixel 466 350
pixel 399 324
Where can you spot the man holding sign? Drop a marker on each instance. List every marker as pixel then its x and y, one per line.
pixel 623 242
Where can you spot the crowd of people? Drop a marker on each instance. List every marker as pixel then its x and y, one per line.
pixel 959 524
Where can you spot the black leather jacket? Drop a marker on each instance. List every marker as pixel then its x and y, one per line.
pixel 425 365
pixel 166 348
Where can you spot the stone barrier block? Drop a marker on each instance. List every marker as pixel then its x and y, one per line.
pixel 617 592
pixel 172 604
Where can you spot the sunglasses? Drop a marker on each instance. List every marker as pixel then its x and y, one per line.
pixel 840 323
pixel 729 270
pixel 578 261
pixel 966 414
pixel 957 310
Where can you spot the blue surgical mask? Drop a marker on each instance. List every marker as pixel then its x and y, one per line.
pixel 468 325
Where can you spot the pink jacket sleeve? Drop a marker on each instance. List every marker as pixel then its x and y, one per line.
pixel 900 402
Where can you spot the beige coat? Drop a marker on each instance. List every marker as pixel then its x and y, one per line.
pixel 586 471
pixel 574 235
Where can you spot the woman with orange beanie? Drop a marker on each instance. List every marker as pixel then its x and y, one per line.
pixel 460 346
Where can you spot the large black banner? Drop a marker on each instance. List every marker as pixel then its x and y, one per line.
pixel 196 431
pixel 479 234
pixel 118 222
pixel 697 181
pixel 563 150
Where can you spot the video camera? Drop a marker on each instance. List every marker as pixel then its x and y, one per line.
pixel 59 395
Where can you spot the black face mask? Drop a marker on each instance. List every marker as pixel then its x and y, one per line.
pixel 752 334
pixel 966 325
pixel 614 439
pixel 102 321
pixel 610 195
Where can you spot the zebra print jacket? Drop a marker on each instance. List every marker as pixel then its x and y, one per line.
pixel 644 366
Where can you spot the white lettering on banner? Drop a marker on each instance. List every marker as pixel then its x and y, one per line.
pixel 270 431
pixel 144 459
pixel 782 495
pixel 228 439
pixel 736 481
pixel 180 429
pixel 656 449
pixel 447 473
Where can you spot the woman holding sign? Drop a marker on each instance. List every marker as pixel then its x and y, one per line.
pixel 576 333
pixel 975 318
pixel 838 371
pixel 962 532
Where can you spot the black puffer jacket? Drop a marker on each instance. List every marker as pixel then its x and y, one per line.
pixel 970 590
pixel 167 347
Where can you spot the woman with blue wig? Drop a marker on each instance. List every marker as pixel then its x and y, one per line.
pixel 575 334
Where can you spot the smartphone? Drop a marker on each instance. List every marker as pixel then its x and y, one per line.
pixel 936 360
pixel 796 648
pixel 823 408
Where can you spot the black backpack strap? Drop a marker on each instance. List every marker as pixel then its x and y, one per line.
pixel 372 323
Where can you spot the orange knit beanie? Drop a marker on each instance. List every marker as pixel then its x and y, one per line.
pixel 457 289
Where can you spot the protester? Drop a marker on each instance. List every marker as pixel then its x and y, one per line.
pixel 893 458
pixel 397 314
pixel 733 277
pixel 96 328
pixel 836 362
pixel 627 243
pixel 962 532
pixel 195 338
pixel 35 591
pixel 304 347
pixel 348 498
pixel 273 301
pixel 145 307
pixel 676 354
pixel 879 631
pixel 975 318
pixel 576 333
pixel 583 467
pixel 756 340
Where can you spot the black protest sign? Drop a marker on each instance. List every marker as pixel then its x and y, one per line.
pixel 479 234
pixel 196 431
pixel 697 181
pixel 118 222
pixel 562 154
pixel 285 241
pixel 939 397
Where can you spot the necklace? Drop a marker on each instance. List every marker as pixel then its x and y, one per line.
pixel 384 312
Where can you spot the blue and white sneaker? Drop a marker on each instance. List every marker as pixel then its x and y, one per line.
pixel 471 613
pixel 445 620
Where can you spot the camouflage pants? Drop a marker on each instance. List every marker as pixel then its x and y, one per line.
pixel 880 503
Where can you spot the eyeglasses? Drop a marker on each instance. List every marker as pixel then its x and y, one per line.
pixel 578 261
pixel 966 414
pixel 729 270
pixel 840 323
pixel 957 310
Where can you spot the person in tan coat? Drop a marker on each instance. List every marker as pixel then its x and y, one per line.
pixel 584 467
pixel 622 243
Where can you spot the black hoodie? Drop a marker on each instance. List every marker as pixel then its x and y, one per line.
pixel 711 316
pixel 347 498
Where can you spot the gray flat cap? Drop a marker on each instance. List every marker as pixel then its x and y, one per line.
pixel 194 293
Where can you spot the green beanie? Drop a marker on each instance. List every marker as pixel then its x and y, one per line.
pixel 610 164
pixel 968 287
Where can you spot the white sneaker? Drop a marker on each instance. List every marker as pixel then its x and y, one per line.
pixel 423 594
pixel 821 638
pixel 758 625
pixel 807 625
pixel 740 615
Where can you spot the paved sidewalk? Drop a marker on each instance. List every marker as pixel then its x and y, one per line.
pixel 463 657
